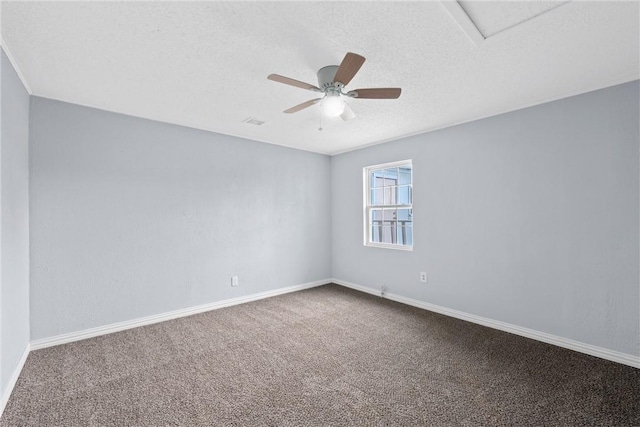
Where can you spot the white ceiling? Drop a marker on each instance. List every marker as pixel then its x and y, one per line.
pixel 205 64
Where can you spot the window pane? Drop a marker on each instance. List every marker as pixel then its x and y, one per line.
pixel 389 216
pixel 376 215
pixel 409 234
pixel 377 178
pixel 404 195
pixel 404 175
pixel 377 197
pixel 402 236
pixel 389 232
pixel 376 234
pixel 386 234
pixel 391 176
pixel 405 215
pixel 390 195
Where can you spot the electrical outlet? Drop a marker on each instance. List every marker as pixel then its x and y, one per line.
pixel 423 277
pixel 234 280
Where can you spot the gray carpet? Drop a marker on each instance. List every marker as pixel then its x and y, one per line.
pixel 324 356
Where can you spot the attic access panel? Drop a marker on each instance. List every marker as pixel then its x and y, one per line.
pixel 493 17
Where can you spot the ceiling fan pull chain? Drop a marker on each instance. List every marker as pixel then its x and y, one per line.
pixel 320 116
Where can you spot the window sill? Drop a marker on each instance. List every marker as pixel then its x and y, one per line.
pixel 388 246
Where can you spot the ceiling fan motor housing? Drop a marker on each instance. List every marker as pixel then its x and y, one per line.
pixel 326 76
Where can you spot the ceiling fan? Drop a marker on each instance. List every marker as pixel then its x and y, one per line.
pixel 331 81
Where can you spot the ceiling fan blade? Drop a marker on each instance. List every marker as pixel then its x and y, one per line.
pixel 292 82
pixel 378 93
pixel 348 68
pixel 348 113
pixel 302 106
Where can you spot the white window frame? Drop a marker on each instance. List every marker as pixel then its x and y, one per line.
pixel 367 207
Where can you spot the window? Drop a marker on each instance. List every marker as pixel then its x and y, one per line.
pixel 388 205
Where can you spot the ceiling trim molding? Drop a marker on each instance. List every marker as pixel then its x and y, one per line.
pixel 610 83
pixel 14 64
pixel 464 21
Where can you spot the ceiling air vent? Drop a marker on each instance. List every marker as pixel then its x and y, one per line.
pixel 253 121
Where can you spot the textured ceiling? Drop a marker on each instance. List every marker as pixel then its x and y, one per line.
pixel 205 64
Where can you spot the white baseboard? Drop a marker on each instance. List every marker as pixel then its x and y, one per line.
pixel 129 324
pixel 603 353
pixel 14 379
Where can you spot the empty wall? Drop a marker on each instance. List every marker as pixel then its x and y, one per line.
pixel 14 223
pixel 529 218
pixel 131 217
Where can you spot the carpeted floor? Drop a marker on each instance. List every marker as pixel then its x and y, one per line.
pixel 324 356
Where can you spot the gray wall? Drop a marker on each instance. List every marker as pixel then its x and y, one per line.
pixel 14 223
pixel 530 218
pixel 131 217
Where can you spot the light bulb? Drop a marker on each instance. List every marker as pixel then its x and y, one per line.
pixel 332 105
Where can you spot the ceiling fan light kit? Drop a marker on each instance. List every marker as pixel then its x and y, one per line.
pixel 332 104
pixel 331 81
